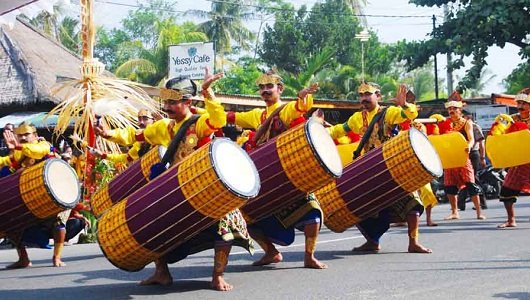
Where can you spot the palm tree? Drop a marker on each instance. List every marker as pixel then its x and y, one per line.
pixel 69 34
pixel 225 26
pixel 313 64
pixel 486 76
pixel 150 65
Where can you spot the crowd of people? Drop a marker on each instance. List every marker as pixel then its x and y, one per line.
pixel 193 127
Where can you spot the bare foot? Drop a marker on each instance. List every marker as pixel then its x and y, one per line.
pixel 417 248
pixel 367 247
pixel 269 258
pixel 452 217
pixel 481 217
pixel 507 225
pixel 431 224
pixel 312 263
pixel 159 278
pixel 219 284
pixel 19 265
pixel 57 262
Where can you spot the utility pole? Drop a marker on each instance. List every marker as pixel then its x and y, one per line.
pixel 449 59
pixel 435 62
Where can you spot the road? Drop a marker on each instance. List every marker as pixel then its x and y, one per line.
pixel 471 260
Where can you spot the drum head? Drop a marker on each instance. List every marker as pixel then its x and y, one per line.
pixel 62 183
pixel 324 148
pixel 235 168
pixel 425 152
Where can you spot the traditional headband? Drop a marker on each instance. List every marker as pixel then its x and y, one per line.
pixel 454 100
pixel 522 97
pixel 169 94
pixel 269 78
pixel 25 128
pixel 145 113
pixel 368 88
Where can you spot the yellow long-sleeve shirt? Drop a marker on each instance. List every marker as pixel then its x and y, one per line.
pixel 35 150
pixel 125 158
pixel 394 115
pixel 293 110
pixel 162 131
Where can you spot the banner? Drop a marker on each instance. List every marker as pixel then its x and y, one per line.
pixel 190 59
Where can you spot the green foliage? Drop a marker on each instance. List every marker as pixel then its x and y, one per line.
pixel 298 35
pixel 470 29
pixel 518 79
pixel 69 34
pixel 225 25
pixel 240 79
pixel 142 55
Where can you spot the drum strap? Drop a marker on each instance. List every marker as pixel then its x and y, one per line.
pixel 175 142
pixel 368 132
pixel 260 137
pixel 144 148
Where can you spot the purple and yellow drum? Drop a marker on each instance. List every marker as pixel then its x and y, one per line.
pixel 295 163
pixel 128 181
pixel 379 178
pixel 36 193
pixel 183 201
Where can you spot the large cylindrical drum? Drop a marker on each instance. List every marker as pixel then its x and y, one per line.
pixel 36 193
pixel 297 162
pixel 379 178
pixel 186 199
pixel 128 181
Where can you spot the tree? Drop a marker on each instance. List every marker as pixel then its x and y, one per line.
pixel 151 64
pixel 470 28
pixel 241 78
pixel 518 79
pixel 69 34
pixel 225 25
pixel 298 34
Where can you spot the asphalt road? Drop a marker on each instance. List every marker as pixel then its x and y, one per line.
pixel 471 260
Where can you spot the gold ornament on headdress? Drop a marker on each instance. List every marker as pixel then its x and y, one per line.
pixel 268 78
pixel 170 94
pixel 115 101
pixel 368 88
pixel 25 128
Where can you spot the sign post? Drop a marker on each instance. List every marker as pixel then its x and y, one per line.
pixel 190 59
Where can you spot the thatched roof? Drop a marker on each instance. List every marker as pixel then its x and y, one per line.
pixel 30 62
pixel 7 6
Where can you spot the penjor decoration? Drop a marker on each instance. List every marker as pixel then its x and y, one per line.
pixel 96 98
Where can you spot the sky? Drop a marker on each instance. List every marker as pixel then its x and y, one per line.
pixel 389 29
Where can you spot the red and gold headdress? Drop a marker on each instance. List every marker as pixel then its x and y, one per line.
pixel 454 100
pixel 170 94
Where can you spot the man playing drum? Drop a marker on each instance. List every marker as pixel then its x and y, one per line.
pixel 518 177
pixel 304 215
pixel 455 178
pixel 177 96
pixel 137 149
pixel 409 208
pixel 27 149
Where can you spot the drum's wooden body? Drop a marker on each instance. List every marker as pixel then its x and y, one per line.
pixel 378 179
pixel 36 193
pixel 297 162
pixel 186 199
pixel 125 183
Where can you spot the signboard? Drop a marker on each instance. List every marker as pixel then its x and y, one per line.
pixel 190 59
pixel 485 115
